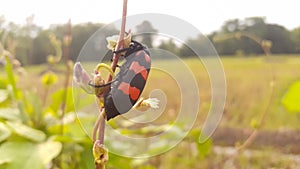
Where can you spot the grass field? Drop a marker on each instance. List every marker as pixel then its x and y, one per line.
pixel 249 91
pixel 248 81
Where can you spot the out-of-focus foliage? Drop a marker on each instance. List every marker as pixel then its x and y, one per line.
pixel 49 79
pixel 283 40
pixel 22 138
pixel 31 42
pixel 32 132
pixel 145 32
pixel 295 36
pixel 291 100
pixel 35 134
pixel 278 35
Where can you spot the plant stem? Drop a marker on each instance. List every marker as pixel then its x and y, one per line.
pixel 102 126
pixel 113 67
pixel 120 44
pixel 68 63
pixel 11 77
pixel 253 134
pixel 45 96
pixel 96 127
pixel 101 122
pixel 99 166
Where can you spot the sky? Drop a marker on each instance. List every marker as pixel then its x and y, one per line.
pixel 207 15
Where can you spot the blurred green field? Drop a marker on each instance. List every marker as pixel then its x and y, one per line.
pixel 248 81
pixel 249 92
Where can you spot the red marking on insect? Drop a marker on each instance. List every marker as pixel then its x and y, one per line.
pixel 147 58
pixel 144 73
pixel 124 87
pixel 137 68
pixel 138 53
pixel 133 92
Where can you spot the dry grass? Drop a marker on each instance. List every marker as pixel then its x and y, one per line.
pixel 248 89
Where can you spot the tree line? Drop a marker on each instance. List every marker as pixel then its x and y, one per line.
pixel 243 37
pixel 30 43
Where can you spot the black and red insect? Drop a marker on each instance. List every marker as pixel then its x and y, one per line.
pixel 130 81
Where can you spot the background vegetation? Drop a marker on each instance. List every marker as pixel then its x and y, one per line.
pixel 31 45
pixel 40 129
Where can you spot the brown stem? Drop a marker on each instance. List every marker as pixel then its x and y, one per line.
pixel 113 66
pixel 253 134
pixel 102 126
pixel 45 96
pixel 100 166
pixel 120 43
pixel 102 117
pixel 68 63
pixel 96 127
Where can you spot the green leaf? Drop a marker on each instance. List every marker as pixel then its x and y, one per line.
pixel 27 132
pixel 10 113
pixel 3 95
pixel 158 147
pixel 254 123
pixel 75 130
pixel 10 76
pixel 28 155
pixel 193 134
pixel 147 167
pixel 204 147
pixel 4 132
pixel 3 83
pixel 49 79
pixel 57 100
pixel 87 158
pixel 48 150
pixel 119 162
pixel 82 99
pixel 291 100
pixel 3 163
pixel 34 106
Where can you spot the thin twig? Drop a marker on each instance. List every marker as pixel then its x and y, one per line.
pixel 66 55
pixel 100 124
pixel 68 64
pixel 99 166
pixel 254 133
pixel 121 40
pixel 44 100
pixel 114 64
pixel 96 127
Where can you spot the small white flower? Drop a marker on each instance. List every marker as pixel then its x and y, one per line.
pixel 152 102
pixel 112 42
